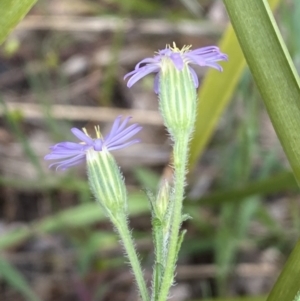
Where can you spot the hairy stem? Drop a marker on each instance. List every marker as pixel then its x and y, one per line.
pixel 180 154
pixel 122 227
pixel 158 265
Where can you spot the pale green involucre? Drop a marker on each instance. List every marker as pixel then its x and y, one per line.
pixel 106 181
pixel 297 297
pixel 161 203
pixel 177 98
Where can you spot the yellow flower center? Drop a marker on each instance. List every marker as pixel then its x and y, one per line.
pixel 184 49
pixel 97 131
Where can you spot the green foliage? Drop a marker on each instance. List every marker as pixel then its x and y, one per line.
pixel 79 216
pixel 239 299
pixel 297 297
pixel 12 12
pixel 177 99
pixel 287 285
pixel 216 92
pixel 147 178
pixel 272 184
pixel 14 120
pixel 272 70
pixel 16 280
pixel 278 83
pixel 89 213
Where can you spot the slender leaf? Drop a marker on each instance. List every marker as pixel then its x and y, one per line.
pixel 278 83
pixel 276 183
pixel 288 284
pixel 239 299
pixel 12 12
pixel 16 129
pixel 16 280
pixel 216 91
pixel 272 70
pixel 87 214
pixel 79 216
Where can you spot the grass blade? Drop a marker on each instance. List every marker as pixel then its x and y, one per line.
pixel 272 70
pixel 287 285
pixel 16 280
pixel 12 12
pixel 273 184
pixel 216 92
pixel 81 215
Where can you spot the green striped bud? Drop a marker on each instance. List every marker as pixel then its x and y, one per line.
pixel 178 98
pixel 160 205
pixel 106 181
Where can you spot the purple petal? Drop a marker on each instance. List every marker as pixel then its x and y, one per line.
pixel 154 60
pixel 118 128
pixel 115 127
pixel 124 135
pixel 177 60
pixel 68 154
pixel 214 57
pixel 123 125
pixel 196 59
pixel 140 73
pixel 156 83
pixel 98 145
pixel 203 50
pixel 165 52
pixel 57 156
pixel 69 162
pixel 206 56
pixel 122 145
pixel 130 73
pixel 82 136
pixel 215 66
pixel 68 146
pixel 194 77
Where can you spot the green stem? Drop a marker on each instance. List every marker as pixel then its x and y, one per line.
pixel 121 224
pixel 180 155
pixel 159 259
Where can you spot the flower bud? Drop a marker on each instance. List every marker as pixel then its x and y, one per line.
pixel 176 82
pixel 178 98
pixel 106 181
pixel 160 205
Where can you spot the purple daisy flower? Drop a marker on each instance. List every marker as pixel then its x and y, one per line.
pixel 206 56
pixel 69 154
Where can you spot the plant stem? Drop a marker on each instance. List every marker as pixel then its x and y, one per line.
pixel 121 224
pixel 159 264
pixel 180 155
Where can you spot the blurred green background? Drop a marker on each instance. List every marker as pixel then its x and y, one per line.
pixel 63 67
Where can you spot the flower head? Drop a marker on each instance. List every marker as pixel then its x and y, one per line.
pixel 206 56
pixel 68 154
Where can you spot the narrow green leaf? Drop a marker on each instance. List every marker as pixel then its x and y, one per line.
pixel 272 70
pixel 288 285
pixel 79 216
pixel 297 297
pixel 17 131
pixel 12 12
pixel 273 184
pixel 147 178
pixel 238 299
pixel 87 214
pixel 216 92
pixel 278 83
pixel 16 280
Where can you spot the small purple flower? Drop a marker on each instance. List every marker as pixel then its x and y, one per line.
pixel 69 154
pixel 206 56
